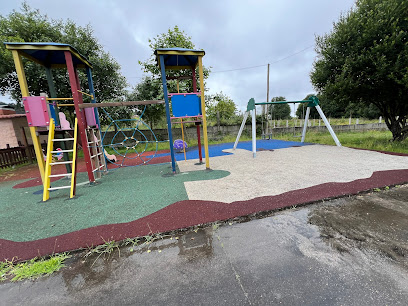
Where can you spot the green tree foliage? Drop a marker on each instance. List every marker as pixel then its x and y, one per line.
pixel 333 110
pixel 29 25
pixel 173 38
pixel 330 110
pixel 278 111
pixel 222 104
pixel 364 61
pixel 149 89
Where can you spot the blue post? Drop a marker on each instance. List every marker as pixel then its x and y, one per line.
pixel 166 99
pixel 92 92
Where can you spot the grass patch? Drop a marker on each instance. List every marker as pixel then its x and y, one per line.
pixel 32 269
pixel 371 140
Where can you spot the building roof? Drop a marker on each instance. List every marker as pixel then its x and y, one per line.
pixel 12 116
pixel 48 54
pixel 179 58
pixel 6 106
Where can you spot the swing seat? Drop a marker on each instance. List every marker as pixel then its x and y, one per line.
pixel 186 105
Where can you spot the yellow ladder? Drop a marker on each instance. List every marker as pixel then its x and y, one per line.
pixel 49 162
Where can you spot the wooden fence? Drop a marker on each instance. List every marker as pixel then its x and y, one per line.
pixel 17 155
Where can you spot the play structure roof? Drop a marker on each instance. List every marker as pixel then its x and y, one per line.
pixel 48 54
pixel 179 58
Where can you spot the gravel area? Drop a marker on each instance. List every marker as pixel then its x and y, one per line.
pixel 283 170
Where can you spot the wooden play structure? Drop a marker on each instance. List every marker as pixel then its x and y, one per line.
pixel 45 118
pixel 313 101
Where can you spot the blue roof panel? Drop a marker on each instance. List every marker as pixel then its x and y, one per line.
pixel 180 59
pixel 49 57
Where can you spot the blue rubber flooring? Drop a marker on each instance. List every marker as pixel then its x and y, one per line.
pixel 217 149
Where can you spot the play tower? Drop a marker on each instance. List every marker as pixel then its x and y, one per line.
pixel 44 117
pixel 185 106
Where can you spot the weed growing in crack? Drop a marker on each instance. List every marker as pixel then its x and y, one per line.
pixel 33 268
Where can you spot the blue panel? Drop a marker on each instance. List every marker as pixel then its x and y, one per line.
pixel 188 105
pixel 180 59
pixel 53 114
pixel 49 57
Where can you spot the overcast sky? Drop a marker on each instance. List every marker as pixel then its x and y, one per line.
pixel 234 34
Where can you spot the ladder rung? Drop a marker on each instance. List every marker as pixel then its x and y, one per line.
pixel 96 155
pixel 62 151
pixel 99 168
pixel 61 187
pixel 63 139
pixel 61 163
pixel 60 175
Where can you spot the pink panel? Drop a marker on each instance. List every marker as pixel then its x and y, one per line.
pixel 36 111
pixel 90 116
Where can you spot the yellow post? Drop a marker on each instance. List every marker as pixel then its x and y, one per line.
pixel 182 136
pixel 74 147
pixel 50 145
pixel 25 93
pixel 201 74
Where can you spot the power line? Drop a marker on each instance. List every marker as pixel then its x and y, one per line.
pixel 251 67
pixel 240 68
pixel 293 54
pixel 277 61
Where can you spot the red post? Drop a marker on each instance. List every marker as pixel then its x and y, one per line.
pixel 75 86
pixel 200 154
pixel 194 80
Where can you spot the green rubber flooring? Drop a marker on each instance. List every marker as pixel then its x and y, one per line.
pixel 122 195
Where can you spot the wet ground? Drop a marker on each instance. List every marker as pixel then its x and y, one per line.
pixel 350 251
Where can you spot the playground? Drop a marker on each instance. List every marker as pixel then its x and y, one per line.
pixel 120 190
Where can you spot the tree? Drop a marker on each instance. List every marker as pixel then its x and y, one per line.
pixel 149 89
pixel 171 39
pixel 29 25
pixel 364 60
pixel 333 110
pixel 278 111
pixel 221 104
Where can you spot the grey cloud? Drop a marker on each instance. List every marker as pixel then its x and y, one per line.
pixel 234 34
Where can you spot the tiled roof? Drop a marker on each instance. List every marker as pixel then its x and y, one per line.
pixel 12 116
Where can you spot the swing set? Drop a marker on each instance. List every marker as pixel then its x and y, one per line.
pixel 313 101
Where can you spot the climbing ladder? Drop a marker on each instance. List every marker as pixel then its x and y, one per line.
pixel 49 162
pixel 93 135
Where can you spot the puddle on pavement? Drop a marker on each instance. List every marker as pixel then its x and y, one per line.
pixel 86 272
pixel 374 222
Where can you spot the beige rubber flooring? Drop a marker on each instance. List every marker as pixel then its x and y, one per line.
pixel 283 170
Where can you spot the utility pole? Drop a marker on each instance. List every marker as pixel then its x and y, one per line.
pixel 267 87
pixel 266 106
